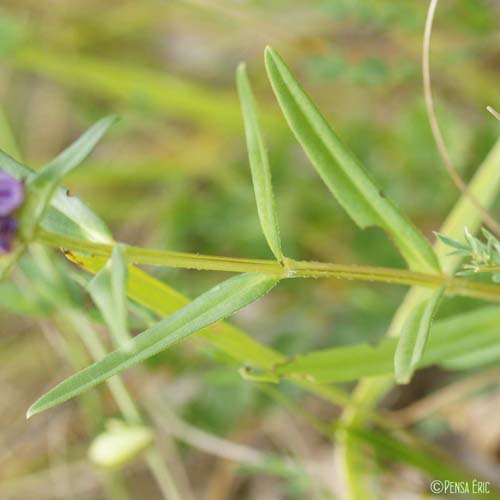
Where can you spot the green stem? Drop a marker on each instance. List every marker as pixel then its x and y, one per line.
pixel 162 474
pixel 114 486
pixel 139 255
pixel 124 401
pixel 486 269
pixel 288 269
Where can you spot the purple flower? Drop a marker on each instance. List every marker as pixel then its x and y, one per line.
pixel 11 198
pixel 8 228
pixel 11 194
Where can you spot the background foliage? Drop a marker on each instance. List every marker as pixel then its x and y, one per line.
pixel 173 173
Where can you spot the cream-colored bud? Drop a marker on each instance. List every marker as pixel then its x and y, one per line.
pixel 119 444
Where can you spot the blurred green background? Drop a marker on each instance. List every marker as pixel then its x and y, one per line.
pixel 174 174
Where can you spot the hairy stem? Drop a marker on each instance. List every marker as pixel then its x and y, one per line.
pixel 289 269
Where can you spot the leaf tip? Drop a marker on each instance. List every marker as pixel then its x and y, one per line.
pixel 269 53
pixel 241 78
pixel 241 68
pixel 32 410
pixel 113 118
pixel 491 110
pixel 403 378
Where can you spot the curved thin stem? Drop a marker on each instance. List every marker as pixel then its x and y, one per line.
pixel 436 130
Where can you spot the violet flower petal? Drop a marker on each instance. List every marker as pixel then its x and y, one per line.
pixel 5 246
pixel 11 193
pixel 8 228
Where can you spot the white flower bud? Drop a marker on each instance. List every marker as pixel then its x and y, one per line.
pixel 119 444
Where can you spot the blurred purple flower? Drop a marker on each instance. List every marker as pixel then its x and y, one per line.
pixel 8 227
pixel 11 198
pixel 11 194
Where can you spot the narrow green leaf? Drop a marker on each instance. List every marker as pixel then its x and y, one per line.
pixel 484 186
pixel 485 354
pixel 259 164
pixel 71 216
pixel 472 335
pixel 43 184
pixel 340 363
pixel 413 337
pixel 453 243
pixel 164 300
pixel 108 290
pixel 214 305
pixel 342 172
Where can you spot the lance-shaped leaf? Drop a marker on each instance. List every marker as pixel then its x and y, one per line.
pixel 214 305
pixel 259 164
pixel 471 337
pixel 484 186
pixel 108 290
pixel 342 172
pixel 43 184
pixel 164 300
pixel 413 336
